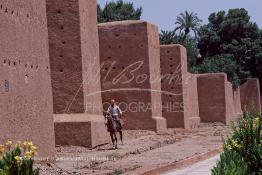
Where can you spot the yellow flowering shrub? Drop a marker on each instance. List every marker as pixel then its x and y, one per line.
pixel 17 159
pixel 242 153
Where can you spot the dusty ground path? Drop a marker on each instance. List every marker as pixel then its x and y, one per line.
pixel 141 149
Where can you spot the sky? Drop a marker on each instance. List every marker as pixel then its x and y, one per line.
pixel 163 13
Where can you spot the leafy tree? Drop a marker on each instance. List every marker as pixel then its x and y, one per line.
pixel 220 63
pixel 233 33
pixel 170 37
pixel 100 17
pixel 118 11
pixel 187 22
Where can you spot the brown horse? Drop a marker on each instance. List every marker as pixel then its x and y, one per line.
pixel 114 126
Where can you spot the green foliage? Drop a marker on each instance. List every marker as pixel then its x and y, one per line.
pixel 233 33
pixel 243 150
pixel 170 37
pixel 231 163
pixel 187 22
pixel 12 162
pixel 118 11
pixel 220 63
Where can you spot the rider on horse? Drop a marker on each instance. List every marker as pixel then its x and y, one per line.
pixel 115 112
pixel 113 123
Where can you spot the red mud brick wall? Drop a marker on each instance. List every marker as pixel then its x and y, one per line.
pixel 250 94
pixel 179 89
pixel 211 97
pixel 237 102
pixel 172 68
pixel 191 106
pixel 129 55
pixel 25 94
pixel 75 73
pixel 230 108
pixel 74 56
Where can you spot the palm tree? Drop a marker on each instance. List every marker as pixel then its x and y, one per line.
pixel 188 22
pixel 168 37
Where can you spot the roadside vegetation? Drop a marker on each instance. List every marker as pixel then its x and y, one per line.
pixel 242 151
pixel 17 159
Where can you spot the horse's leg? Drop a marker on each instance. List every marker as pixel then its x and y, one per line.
pixel 115 140
pixel 112 138
pixel 121 136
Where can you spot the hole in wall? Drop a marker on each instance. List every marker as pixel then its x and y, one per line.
pixel 4 61
pixel 25 65
pixel 61 56
pixel 62 27
pixel 171 65
pixel 19 61
pixel 117 35
pixel 109 57
pixel 12 12
pixel 61 70
pixel 123 67
pixel 32 66
pixel 59 11
pixel 106 68
pixel 9 62
pixel 47 67
pixel 170 96
pixel 172 87
pixel 26 78
pixel 114 67
pixel 63 42
pixel 170 58
pixel 36 67
pixel 1 6
pixel 14 63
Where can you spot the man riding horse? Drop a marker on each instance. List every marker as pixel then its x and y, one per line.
pixel 113 122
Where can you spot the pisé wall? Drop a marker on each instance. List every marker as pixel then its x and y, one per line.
pixel 130 72
pixel 25 95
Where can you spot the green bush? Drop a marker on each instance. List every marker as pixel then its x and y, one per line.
pixel 243 150
pixel 17 160
pixel 231 163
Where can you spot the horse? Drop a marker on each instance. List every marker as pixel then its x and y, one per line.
pixel 113 126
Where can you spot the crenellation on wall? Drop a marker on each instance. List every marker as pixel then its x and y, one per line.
pixel 129 59
pixel 250 95
pixel 217 105
pixel 75 74
pixel 180 105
